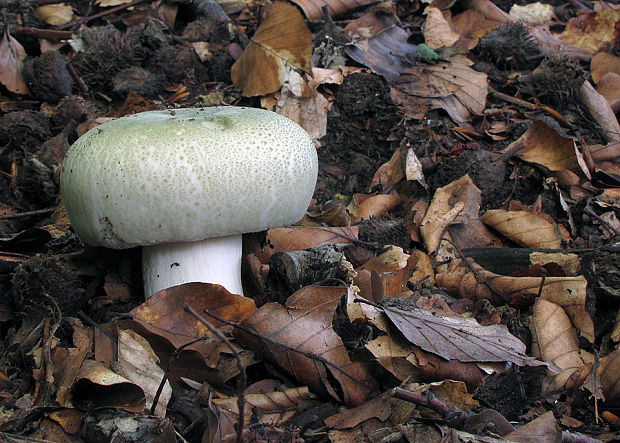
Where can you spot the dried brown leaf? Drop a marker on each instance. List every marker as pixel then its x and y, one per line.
pixel 525 228
pixel 12 54
pixel 281 42
pixel 55 15
pixel 609 87
pixel 138 363
pixel 437 31
pixel 305 324
pixel 98 386
pixel 380 44
pixel 164 314
pixel 544 429
pixel 555 340
pixel 609 370
pixel 378 407
pixel 601 111
pixel 603 63
pixel 312 8
pixel 364 206
pixel 297 238
pixel 454 87
pixel 273 408
pixel 389 173
pixel 593 31
pixel 547 146
pixel 475 282
pixel 462 339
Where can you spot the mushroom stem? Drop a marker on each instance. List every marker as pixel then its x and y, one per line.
pixel 213 260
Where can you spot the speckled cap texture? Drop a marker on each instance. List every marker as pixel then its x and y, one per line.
pixel 187 175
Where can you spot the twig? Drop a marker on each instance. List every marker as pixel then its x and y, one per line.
pixel 430 401
pixel 527 105
pixel 80 82
pixel 27 213
pixel 242 378
pixel 48 34
pixel 102 14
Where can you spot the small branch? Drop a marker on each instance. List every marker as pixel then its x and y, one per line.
pixel 48 34
pixel 242 378
pixel 27 214
pixel 102 14
pixel 76 78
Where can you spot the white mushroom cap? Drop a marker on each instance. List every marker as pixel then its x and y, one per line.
pixel 187 174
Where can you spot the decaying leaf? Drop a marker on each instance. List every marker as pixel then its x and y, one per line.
pixel 138 363
pixel 296 238
pixel 454 87
pixel 98 386
pixel 609 370
pixel 592 31
pixel 312 8
pixel 525 228
pixel 389 173
pixel 604 63
pixel 164 314
pixel 547 146
pixel 12 54
pixel 282 42
pixel 273 408
pixel 305 324
pixel 555 340
pixel 462 339
pixel 544 429
pixel 609 87
pixel 601 111
pixel 56 15
pixel 473 281
pixel 437 31
pixel 365 206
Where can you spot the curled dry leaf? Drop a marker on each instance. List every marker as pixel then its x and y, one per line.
pixel 99 387
pixel 389 173
pixel 386 274
pixel 55 15
pixel 555 340
pixel 378 407
pixel 474 282
pixel 609 370
pixel 454 209
pixel 603 63
pixel 525 228
pixel 12 55
pixel 272 408
pixel 437 31
pixel 454 87
pixel 281 42
pixel 544 429
pixel 297 238
pixel 365 206
pixel 138 363
pixel 462 339
pixel 380 44
pixel 609 87
pixel 601 111
pixel 305 324
pixel 594 31
pixel 547 146
pixel 312 8
pixel 164 315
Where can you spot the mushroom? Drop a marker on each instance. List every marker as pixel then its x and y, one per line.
pixel 185 184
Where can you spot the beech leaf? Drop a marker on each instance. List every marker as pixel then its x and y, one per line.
pixel 462 339
pixel 11 56
pixel 299 337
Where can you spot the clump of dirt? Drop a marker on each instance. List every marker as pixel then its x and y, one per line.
pixel 44 281
pixel 356 144
pixel 47 77
pixel 23 130
pixel 385 230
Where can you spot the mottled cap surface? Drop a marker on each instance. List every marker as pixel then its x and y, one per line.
pixel 186 175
